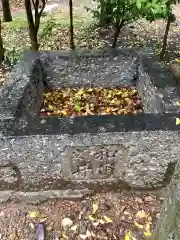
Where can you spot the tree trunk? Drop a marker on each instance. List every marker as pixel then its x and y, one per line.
pixel 32 28
pixel 164 46
pixel 102 13
pixel 6 11
pixel 72 46
pixel 117 32
pixel 34 40
pixel 1 46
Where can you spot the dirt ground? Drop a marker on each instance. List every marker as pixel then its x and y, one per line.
pixel 103 216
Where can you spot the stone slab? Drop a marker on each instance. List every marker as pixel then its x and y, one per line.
pixel 139 160
pixel 89 68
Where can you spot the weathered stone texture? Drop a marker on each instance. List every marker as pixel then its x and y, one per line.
pixel 21 96
pixel 89 69
pixel 158 90
pixel 138 160
pixel 168 226
pixel 39 153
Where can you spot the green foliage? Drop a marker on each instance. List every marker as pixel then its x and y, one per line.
pixel 15 43
pixel 46 34
pixel 121 12
pixel 155 9
pixel 153 6
pixel 12 55
pixel 114 11
pixel 158 9
pixel 46 31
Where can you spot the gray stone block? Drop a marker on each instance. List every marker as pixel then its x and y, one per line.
pixel 89 68
pixel 125 160
pixel 21 96
pixel 95 152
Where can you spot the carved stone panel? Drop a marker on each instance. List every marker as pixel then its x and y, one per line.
pixel 96 162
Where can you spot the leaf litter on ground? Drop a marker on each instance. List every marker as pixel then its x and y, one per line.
pixel 115 216
pixel 91 101
pixel 143 34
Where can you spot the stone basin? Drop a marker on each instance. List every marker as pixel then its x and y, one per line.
pixel 87 153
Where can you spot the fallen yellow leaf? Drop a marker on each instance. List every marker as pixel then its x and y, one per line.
pixel 50 107
pixel 64 113
pixel 177 60
pixel 101 221
pixel 64 236
pixel 90 90
pixel 108 110
pixel 141 214
pixel 43 219
pixel 128 236
pixel 148 233
pixel 149 220
pixel 33 214
pixel 177 121
pixel 107 219
pixel 138 225
pixel 177 103
pixel 94 208
pixel 147 226
pixel 31 225
pixel 91 218
pixel 80 92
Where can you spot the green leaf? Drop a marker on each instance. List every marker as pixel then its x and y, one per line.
pixel 138 4
pixel 78 107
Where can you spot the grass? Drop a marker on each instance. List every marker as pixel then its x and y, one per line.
pixel 53 32
pixel 60 17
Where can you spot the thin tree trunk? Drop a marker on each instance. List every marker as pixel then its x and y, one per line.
pixel 6 11
pixel 117 32
pixel 1 46
pixel 34 40
pixel 32 28
pixel 102 14
pixel 71 25
pixel 165 38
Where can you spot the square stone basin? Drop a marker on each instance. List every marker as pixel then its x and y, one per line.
pixel 88 152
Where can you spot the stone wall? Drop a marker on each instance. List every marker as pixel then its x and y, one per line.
pixel 21 96
pixel 136 160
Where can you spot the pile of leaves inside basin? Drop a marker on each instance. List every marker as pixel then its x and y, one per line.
pixel 91 101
